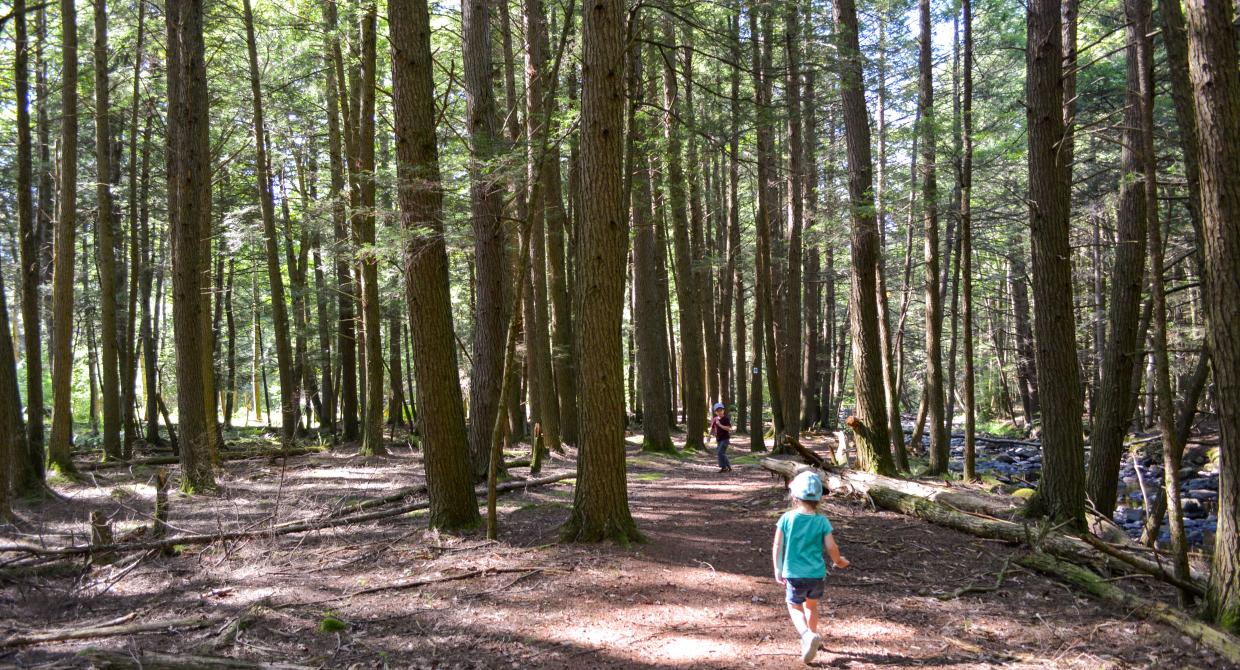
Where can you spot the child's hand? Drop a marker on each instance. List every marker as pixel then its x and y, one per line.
pixel 841 563
pixel 779 579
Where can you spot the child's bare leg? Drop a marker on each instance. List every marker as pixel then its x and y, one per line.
pixel 798 615
pixel 811 614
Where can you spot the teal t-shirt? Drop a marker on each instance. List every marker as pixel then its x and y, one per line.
pixel 803 538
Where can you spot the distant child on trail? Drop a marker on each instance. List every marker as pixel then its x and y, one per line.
pixel 802 536
pixel 721 428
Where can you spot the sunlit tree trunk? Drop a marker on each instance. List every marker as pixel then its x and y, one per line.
pixel 600 504
pixel 870 425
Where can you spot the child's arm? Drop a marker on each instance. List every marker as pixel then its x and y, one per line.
pixel 833 550
pixel 777 555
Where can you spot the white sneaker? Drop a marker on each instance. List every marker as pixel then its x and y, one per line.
pixel 809 646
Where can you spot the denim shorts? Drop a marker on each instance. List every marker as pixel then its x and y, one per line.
pixel 802 589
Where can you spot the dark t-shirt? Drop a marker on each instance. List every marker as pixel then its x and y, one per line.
pixel 721 427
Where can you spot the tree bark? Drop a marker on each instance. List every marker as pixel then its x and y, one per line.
pixel 940 448
pixel 691 345
pixel 442 427
pixel 189 208
pixel 106 235
pixel 275 278
pixel 1127 281
pixel 486 214
pixel 65 243
pixel 790 341
pixel 1213 70
pixel 648 290
pixel 966 245
pixel 364 222
pixel 1062 486
pixel 600 502
pixel 870 427
pixel 26 462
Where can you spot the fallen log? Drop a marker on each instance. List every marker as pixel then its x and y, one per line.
pixel 22 639
pixel 158 660
pixel 946 507
pixel 280 529
pixel 1224 644
pixel 959 498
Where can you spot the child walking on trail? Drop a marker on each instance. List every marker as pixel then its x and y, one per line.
pixel 802 536
pixel 721 428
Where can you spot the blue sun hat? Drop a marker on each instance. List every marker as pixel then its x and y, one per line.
pixel 806 486
pixel 718 405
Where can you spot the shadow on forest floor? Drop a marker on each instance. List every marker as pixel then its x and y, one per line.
pixel 697 594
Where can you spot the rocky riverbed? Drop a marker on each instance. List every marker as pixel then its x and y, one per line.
pixel 1018 464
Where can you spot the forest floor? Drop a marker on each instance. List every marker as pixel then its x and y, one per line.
pixel 697 594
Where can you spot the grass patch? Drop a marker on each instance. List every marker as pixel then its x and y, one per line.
pixel 649 476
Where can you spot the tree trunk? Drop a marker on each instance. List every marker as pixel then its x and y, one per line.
pixel 790 342
pixel 189 209
pixel 600 504
pixel 279 310
pixel 1062 486
pixel 688 300
pixel 146 324
pixel 62 261
pixel 649 293
pixel 870 427
pixel 486 214
pixel 129 344
pixel 940 448
pixel 345 344
pixel 364 222
pixel 1026 367
pixel 969 400
pixel 1213 70
pixel 543 206
pixel 106 248
pixel 25 460
pixel 1127 281
pixel 442 427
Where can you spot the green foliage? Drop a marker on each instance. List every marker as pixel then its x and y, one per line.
pixel 331 624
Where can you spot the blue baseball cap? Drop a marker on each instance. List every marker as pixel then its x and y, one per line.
pixel 718 405
pixel 806 486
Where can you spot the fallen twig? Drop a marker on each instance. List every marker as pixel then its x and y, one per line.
pixel 23 639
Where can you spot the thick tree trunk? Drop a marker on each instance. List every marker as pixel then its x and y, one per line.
pixel 1062 487
pixel 189 208
pixel 870 425
pixel 600 504
pixel 442 426
pixel 1213 69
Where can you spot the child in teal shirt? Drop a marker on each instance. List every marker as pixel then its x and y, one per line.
pixel 801 537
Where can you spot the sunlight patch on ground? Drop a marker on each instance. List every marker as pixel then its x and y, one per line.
pixel 681 648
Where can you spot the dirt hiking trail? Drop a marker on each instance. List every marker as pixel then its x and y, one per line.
pixel 697 594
